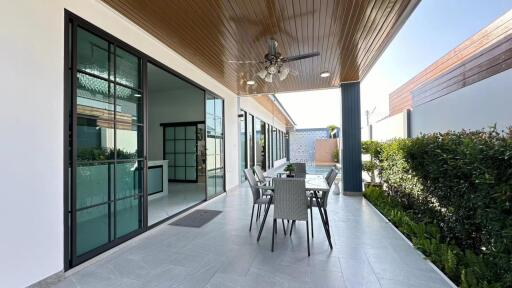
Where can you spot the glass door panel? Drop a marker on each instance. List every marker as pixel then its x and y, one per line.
pixel 180 149
pixel 108 152
pixel 214 145
pixel 242 145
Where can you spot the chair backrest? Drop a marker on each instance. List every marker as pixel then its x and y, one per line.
pixel 328 175
pixel 332 176
pixel 259 173
pixel 299 175
pixel 256 194
pixel 290 200
pixel 299 167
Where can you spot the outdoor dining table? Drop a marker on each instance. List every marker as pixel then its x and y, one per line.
pixel 314 184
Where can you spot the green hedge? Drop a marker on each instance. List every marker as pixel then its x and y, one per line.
pixel 460 186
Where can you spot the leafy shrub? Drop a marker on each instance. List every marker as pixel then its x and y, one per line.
pixel 461 184
pixel 374 150
pixel 466 269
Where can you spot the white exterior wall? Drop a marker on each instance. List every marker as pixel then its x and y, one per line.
pixel 252 106
pixel 391 127
pixel 473 107
pixel 31 210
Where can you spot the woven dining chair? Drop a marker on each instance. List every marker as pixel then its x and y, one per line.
pixel 300 170
pixel 257 198
pixel 290 203
pixel 324 198
pixel 263 180
pixel 261 176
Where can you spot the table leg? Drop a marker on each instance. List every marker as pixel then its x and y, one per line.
pixel 262 224
pixel 326 228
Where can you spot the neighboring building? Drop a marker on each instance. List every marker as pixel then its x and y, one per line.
pixel 468 88
pixel 304 144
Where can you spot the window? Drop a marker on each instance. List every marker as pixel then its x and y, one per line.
pixel 242 117
pixel 274 144
pixel 214 145
pixel 250 140
pixel 259 139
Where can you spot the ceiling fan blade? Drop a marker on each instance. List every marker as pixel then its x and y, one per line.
pixel 272 46
pixel 245 62
pixel 300 57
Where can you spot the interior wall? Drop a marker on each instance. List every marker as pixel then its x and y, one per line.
pixel 181 105
pixel 473 107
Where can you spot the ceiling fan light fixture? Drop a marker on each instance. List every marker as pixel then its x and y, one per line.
pixel 268 78
pixel 325 74
pixel 262 74
pixel 283 73
pixel 251 82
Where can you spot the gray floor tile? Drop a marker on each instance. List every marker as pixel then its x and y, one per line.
pixel 367 252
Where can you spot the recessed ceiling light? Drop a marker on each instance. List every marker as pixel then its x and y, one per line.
pixel 325 74
pixel 251 82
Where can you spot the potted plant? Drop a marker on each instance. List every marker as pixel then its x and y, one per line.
pixel 371 166
pixel 290 169
pixel 336 155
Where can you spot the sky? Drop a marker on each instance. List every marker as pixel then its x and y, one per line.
pixel 434 28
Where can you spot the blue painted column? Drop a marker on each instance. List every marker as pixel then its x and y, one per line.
pixel 351 139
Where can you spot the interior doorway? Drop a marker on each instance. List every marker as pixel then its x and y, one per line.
pixel 176 143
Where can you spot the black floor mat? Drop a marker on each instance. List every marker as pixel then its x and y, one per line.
pixel 196 218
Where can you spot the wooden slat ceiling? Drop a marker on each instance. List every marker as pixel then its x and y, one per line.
pixel 349 34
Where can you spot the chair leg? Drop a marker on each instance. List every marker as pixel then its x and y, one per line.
pixel 274 228
pixel 284 229
pixel 252 214
pixel 258 213
pixel 291 227
pixel 326 217
pixel 307 232
pixel 311 211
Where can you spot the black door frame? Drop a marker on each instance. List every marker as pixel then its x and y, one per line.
pixel 71 22
pixel 182 124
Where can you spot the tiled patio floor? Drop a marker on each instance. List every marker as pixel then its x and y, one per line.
pixel 367 252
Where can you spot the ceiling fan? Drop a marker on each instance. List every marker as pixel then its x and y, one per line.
pixel 274 62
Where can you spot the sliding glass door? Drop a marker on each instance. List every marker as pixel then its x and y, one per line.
pixel 214 145
pixel 243 144
pixel 180 149
pixel 106 143
pixel 259 141
pixel 109 152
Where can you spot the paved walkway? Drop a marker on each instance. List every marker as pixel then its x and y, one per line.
pixel 367 252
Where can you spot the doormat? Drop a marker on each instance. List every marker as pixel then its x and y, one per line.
pixel 196 218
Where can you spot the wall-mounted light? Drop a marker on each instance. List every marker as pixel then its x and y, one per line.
pixel 251 82
pixel 325 74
